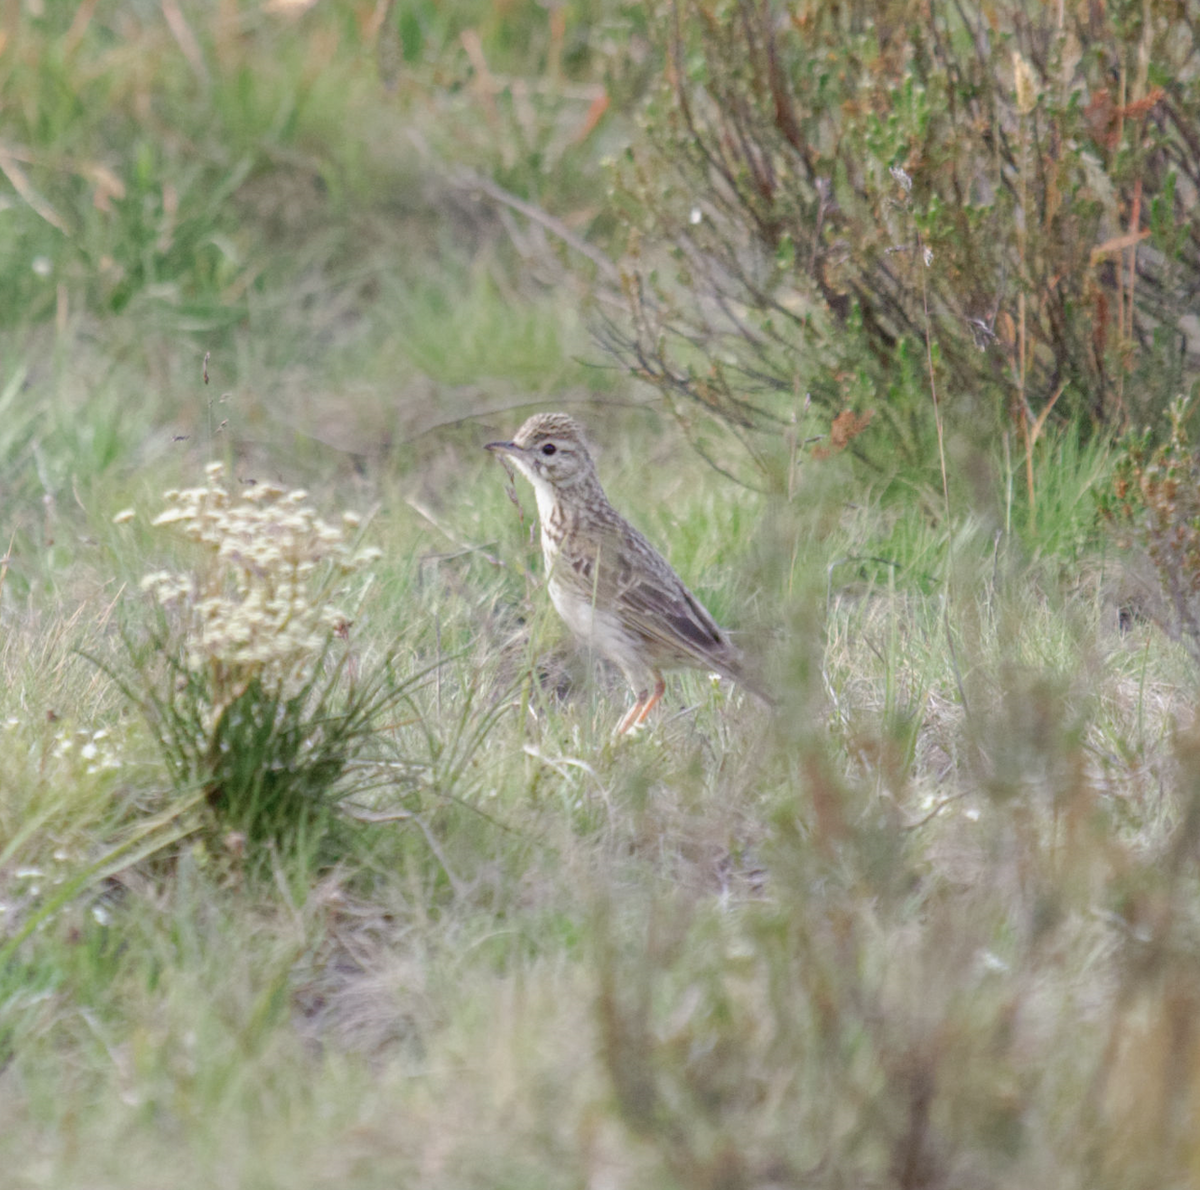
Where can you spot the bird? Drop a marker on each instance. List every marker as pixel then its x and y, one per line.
pixel 616 593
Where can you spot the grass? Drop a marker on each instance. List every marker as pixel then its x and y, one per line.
pixel 648 959
pixel 930 922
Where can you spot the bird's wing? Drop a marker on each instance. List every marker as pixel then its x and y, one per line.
pixel 658 606
pixel 632 575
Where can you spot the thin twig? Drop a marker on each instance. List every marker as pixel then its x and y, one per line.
pixel 468 179
pixel 24 187
pixel 937 809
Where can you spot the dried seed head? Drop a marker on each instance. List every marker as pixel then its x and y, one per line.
pixel 257 605
pixel 1026 84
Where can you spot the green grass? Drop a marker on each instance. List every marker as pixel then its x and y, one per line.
pixel 931 921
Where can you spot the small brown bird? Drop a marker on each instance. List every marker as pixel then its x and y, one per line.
pixel 615 591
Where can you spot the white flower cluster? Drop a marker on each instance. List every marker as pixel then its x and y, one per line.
pixel 93 750
pixel 257 608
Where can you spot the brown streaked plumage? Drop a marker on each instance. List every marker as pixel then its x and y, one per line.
pixel 615 591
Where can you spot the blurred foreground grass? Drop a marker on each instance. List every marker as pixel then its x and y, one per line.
pixel 933 923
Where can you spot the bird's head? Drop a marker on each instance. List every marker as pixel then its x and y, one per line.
pixel 549 449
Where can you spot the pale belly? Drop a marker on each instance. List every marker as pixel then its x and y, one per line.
pixel 596 629
pixel 593 626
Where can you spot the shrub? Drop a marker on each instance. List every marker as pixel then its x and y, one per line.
pixel 1154 504
pixel 855 202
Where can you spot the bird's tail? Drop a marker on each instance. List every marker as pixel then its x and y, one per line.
pixel 738 669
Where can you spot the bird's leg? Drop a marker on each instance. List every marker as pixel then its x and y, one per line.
pixel 646 702
pixel 632 716
pixel 650 703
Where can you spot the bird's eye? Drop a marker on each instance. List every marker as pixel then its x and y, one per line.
pixel 549 448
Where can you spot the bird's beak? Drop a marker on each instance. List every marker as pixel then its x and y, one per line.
pixel 504 448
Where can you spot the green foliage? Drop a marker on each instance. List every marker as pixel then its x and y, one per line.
pixel 888 208
pixel 164 158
